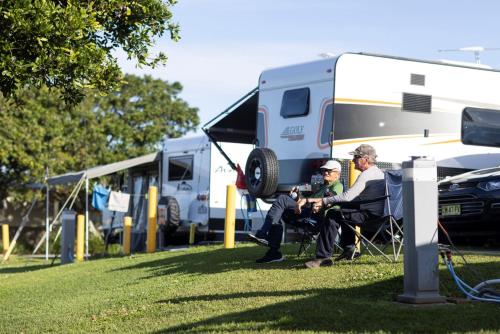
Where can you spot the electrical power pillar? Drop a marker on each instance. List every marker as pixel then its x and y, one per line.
pixel 420 215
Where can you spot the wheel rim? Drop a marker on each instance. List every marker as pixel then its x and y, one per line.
pixel 255 173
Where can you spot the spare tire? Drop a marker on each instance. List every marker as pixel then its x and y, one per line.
pixel 261 172
pixel 172 219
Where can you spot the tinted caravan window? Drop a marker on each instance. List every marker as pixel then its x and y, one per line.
pixel 295 103
pixel 261 129
pixel 180 168
pixel 481 127
pixel 327 127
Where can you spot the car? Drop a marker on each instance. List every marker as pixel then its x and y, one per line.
pixel 469 204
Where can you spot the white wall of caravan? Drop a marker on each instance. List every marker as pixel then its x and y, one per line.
pixel 381 81
pixel 221 175
pixel 321 93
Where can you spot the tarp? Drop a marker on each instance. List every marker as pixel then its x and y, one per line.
pixel 98 171
pixel 238 123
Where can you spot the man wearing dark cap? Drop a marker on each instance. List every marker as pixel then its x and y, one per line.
pixel 369 185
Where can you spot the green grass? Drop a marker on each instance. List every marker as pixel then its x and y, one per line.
pixel 211 289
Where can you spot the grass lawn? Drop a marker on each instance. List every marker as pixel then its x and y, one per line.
pixel 211 289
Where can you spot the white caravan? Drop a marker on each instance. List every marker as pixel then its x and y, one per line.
pixel 307 113
pixel 194 178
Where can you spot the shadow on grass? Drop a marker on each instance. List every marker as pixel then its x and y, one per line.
pixel 23 269
pixel 368 308
pixel 213 262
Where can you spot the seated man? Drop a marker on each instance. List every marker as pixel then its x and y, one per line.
pixel 271 231
pixel 369 185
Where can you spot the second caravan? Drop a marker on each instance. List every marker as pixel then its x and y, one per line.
pixel 194 176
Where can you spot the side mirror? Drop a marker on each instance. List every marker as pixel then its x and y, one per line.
pixel 481 127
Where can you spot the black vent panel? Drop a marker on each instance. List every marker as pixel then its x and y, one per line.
pixel 417 103
pixel 417 79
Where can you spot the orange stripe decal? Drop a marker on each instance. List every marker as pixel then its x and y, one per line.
pixel 445 142
pixel 339 99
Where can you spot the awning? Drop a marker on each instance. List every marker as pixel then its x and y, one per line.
pixel 238 123
pixel 98 171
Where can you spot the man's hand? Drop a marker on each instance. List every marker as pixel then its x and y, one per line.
pixel 317 207
pixel 300 204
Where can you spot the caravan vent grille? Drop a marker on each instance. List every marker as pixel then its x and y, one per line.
pixel 417 103
pixel 417 79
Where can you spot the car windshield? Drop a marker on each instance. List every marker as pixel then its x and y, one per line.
pixel 486 171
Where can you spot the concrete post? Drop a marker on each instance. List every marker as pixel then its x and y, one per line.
pixel 229 228
pixel 5 238
pixel 192 233
pixel 353 176
pixel 420 215
pixel 80 231
pixel 127 234
pixel 151 233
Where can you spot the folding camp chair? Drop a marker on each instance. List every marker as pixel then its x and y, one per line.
pixel 308 230
pixel 387 229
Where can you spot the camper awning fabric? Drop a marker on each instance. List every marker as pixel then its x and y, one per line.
pixel 98 171
pixel 238 123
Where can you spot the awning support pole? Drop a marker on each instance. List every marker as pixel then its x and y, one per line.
pixel 212 139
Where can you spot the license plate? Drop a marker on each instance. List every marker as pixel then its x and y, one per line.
pixel 450 210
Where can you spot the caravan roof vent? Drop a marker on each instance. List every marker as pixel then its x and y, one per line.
pixel 417 79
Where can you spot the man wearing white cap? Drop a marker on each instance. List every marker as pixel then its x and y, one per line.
pixel 368 185
pixel 271 232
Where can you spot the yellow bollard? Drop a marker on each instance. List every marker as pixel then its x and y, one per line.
pixel 5 238
pixel 80 230
pixel 127 235
pixel 192 233
pixel 353 175
pixel 230 216
pixel 152 203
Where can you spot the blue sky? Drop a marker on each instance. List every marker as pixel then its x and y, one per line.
pixel 226 44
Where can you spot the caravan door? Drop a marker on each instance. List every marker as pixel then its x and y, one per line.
pixel 179 184
pixel 185 178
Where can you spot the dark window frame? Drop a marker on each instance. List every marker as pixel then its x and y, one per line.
pixel 285 103
pixel 182 177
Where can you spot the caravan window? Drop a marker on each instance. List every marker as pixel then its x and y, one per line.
pixel 261 129
pixel 327 126
pixel 180 168
pixel 295 103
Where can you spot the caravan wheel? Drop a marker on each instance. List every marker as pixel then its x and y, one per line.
pixel 172 219
pixel 262 172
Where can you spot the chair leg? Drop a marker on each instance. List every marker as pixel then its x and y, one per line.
pixel 361 236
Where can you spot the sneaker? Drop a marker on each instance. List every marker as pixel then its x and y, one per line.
pixel 316 263
pixel 259 241
pixel 349 254
pixel 271 256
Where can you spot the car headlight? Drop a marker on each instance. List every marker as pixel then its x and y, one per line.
pixel 489 186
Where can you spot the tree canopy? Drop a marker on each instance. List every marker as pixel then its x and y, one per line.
pixel 69 44
pixel 40 130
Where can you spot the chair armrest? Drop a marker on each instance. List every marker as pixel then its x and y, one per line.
pixel 356 204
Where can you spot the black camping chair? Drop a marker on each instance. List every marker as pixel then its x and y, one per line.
pixel 387 229
pixel 308 230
